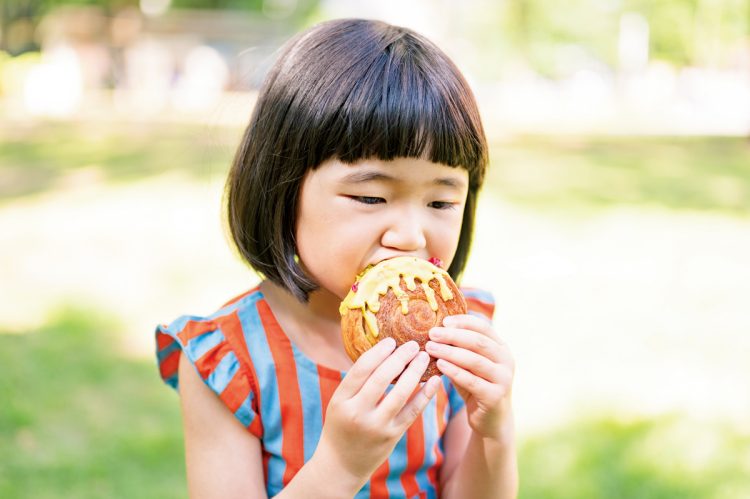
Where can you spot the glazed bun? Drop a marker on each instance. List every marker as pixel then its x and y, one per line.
pixel 402 298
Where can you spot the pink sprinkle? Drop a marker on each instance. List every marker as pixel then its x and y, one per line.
pixel 355 287
pixel 437 262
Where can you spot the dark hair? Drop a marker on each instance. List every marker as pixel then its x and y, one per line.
pixel 350 89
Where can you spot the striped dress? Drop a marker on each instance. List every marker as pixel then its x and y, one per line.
pixel 280 395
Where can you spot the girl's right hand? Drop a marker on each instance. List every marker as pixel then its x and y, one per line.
pixel 363 423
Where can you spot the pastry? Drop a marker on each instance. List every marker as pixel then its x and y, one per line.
pixel 402 298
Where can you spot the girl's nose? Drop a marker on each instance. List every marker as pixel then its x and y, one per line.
pixel 404 233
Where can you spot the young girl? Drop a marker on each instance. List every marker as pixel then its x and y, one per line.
pixel 365 144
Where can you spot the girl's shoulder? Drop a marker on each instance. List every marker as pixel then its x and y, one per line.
pixel 479 302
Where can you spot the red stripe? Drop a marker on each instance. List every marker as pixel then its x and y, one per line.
pixel 442 422
pixel 414 457
pixel 378 486
pixel 231 326
pixel 168 366
pixel 486 309
pixel 328 385
pixel 163 340
pixel 236 391
pixel 195 328
pixel 208 362
pixel 292 422
pixel 432 472
pixel 432 476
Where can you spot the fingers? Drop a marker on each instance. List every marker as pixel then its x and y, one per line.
pixel 364 366
pixel 395 399
pixel 471 340
pixel 416 405
pixel 383 375
pixel 474 362
pixel 489 393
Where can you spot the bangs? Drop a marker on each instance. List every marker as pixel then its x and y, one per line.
pixel 383 93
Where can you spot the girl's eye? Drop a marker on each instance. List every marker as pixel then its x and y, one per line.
pixel 442 205
pixel 367 199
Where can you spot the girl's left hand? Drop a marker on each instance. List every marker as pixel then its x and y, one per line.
pixel 481 367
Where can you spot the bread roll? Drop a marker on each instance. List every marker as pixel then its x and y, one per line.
pixel 402 298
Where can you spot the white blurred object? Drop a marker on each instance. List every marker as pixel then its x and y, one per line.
pixel 205 76
pixel 149 68
pixel 632 43
pixel 153 8
pixel 54 87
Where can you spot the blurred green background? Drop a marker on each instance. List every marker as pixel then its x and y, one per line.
pixel 613 229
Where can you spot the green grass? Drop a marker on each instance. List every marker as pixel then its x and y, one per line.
pixel 35 159
pixel 663 458
pixel 77 420
pixel 564 172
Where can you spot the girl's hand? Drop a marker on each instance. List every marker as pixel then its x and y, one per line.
pixel 363 423
pixel 481 367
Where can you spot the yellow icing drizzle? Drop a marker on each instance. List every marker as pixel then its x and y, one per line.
pixel 375 282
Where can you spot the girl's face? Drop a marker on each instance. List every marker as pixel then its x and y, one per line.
pixel 353 215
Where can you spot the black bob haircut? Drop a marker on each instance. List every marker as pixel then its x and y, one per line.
pixel 350 89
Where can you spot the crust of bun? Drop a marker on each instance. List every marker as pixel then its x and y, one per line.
pixel 393 323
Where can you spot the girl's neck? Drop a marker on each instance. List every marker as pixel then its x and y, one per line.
pixel 315 326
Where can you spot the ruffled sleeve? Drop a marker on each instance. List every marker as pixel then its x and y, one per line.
pixel 204 344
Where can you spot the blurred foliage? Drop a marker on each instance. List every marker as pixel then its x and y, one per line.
pixel 553 36
pixel 562 172
pixel 19 18
pixel 556 37
pixel 664 458
pixel 77 420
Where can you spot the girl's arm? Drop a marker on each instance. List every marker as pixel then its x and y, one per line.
pixel 223 459
pixel 476 466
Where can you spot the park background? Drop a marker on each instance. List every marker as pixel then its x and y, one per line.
pixel 613 229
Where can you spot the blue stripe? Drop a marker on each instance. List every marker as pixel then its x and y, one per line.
pixel 198 346
pixel 312 405
pixel 172 381
pixel 246 301
pixel 270 407
pixel 244 413
pixel 179 324
pixel 164 353
pixel 397 465
pixel 479 294
pixel 223 373
pixel 429 426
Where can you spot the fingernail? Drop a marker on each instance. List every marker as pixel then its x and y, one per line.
pixel 412 347
pixel 423 357
pixel 435 333
pixel 431 345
